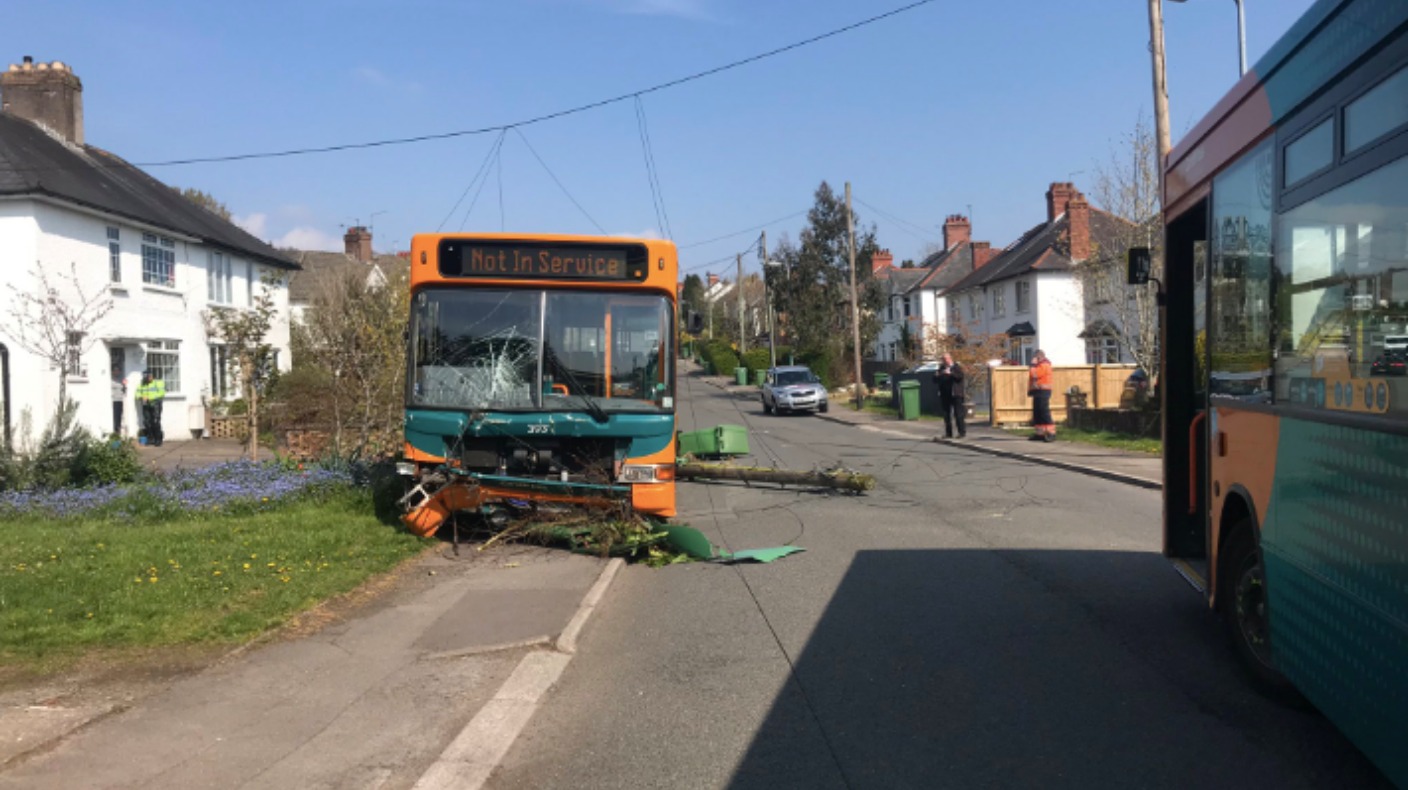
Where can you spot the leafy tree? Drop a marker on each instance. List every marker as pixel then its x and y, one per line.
pixel 970 348
pixel 207 201
pixel 54 321
pixel 245 334
pixel 907 263
pixel 811 290
pixel 693 297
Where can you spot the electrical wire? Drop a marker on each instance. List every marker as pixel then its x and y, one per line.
pixel 657 195
pixel 555 180
pixel 499 176
pixel 763 226
pixel 420 138
pixel 913 229
pixel 699 266
pixel 483 169
pixel 473 202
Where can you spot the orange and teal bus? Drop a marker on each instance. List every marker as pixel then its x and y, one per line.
pixel 1286 423
pixel 541 370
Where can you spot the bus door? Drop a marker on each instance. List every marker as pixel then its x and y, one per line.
pixel 1183 386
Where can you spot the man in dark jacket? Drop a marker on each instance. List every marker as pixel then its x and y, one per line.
pixel 951 392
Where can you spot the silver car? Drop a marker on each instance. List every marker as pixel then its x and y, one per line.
pixel 793 388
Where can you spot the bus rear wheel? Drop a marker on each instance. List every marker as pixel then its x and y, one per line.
pixel 1243 603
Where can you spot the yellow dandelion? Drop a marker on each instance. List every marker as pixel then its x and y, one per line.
pixel 90 615
pixel 246 566
pixel 271 565
pixel 283 579
pixel 152 580
pixel 53 556
pixel 217 573
pixel 254 556
pixel 137 580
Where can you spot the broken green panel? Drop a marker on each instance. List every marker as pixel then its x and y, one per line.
pixel 691 541
pixel 762 555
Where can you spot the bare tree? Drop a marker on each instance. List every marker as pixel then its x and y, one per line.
pixel 351 356
pixel 1127 186
pixel 970 348
pixel 54 321
pixel 245 334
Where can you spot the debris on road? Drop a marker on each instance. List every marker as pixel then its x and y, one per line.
pixel 692 542
pixel 839 479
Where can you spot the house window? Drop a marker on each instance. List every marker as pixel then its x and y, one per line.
pixel 164 362
pixel 158 260
pixel 220 379
pixel 1102 351
pixel 220 278
pixel 906 307
pixel 999 309
pixel 955 315
pixel 114 255
pixel 73 355
pixel 975 305
pixel 1024 297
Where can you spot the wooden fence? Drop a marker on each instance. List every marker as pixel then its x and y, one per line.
pixel 1102 384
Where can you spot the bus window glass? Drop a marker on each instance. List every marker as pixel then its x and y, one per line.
pixel 1239 322
pixel 475 349
pixel 612 347
pixel 1342 293
pixel 1376 113
pixel 1312 152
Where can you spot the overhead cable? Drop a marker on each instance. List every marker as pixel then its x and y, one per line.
pixel 555 180
pixel 421 138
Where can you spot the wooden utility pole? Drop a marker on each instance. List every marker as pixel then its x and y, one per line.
pixel 1156 47
pixel 742 317
pixel 855 303
pixel 767 303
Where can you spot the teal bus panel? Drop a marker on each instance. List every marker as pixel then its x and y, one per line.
pixel 429 430
pixel 1335 546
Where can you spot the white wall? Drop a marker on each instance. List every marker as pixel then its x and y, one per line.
pixel 1060 317
pixel 61 238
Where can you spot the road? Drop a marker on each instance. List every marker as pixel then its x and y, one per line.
pixel 973 622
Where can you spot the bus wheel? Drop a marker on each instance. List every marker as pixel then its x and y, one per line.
pixel 1242 599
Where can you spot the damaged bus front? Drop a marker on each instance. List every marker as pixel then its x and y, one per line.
pixel 541 370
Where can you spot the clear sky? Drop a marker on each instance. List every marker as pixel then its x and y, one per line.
pixel 953 105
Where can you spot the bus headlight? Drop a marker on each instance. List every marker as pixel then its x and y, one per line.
pixel 647 473
pixel 405 469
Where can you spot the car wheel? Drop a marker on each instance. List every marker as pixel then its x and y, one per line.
pixel 1242 600
pixel 766 408
pixel 823 407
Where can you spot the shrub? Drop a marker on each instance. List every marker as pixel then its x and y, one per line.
pixel 104 461
pixel 63 441
pixel 757 359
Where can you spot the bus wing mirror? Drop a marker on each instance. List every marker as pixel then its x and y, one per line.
pixel 1141 264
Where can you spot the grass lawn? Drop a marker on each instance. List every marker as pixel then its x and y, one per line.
pixel 1118 441
pixel 72 586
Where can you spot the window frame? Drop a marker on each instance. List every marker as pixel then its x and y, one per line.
pixel 170 352
pixel 162 251
pixel 1024 288
pixel 999 301
pixel 114 234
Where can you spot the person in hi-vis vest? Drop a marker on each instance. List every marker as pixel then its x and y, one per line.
pixel 150 395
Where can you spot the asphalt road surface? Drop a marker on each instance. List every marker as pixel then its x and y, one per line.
pixel 973 622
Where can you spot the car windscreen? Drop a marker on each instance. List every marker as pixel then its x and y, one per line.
pixel 788 377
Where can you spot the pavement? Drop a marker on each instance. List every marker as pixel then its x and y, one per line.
pixel 425 685
pixel 1139 469
pixel 194 453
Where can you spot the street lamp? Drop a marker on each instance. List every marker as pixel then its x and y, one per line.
pixel 1241 36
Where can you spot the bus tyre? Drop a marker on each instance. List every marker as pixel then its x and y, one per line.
pixel 1243 604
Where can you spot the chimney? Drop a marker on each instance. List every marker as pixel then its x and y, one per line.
pixel 358 241
pixel 881 260
pixel 957 230
pixel 49 94
pixel 1078 217
pixel 1057 197
pixel 713 280
pixel 982 253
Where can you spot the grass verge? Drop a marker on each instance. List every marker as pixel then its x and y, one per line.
pixel 1117 441
pixel 72 586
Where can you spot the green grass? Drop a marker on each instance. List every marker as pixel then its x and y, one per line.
pixel 67 588
pixel 1118 441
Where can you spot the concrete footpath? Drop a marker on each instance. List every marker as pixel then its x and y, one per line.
pixel 425 685
pixel 1139 469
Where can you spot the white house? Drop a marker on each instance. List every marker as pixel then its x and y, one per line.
pixel 162 260
pixel 916 295
pixel 1031 293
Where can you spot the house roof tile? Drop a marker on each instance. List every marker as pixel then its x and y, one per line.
pixel 33 162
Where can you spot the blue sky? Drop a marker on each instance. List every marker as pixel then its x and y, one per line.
pixel 946 107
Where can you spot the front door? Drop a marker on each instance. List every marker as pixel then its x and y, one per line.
pixel 1183 385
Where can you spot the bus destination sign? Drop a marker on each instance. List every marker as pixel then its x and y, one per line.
pixel 541 261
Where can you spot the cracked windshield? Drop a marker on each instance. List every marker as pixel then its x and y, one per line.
pixel 561 351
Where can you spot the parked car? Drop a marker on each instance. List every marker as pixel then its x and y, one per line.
pixel 1390 363
pixel 793 388
pixel 927 366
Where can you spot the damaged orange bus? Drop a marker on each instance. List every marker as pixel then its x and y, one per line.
pixel 541 371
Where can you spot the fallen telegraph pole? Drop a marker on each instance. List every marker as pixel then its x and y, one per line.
pixel 839 479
